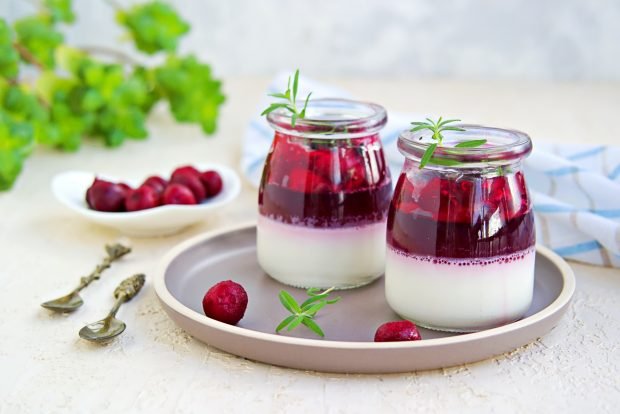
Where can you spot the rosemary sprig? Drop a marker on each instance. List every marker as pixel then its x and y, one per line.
pixel 291 101
pixel 437 127
pixel 304 314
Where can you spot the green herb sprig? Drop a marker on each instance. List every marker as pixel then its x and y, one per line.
pixel 56 95
pixel 290 95
pixel 437 127
pixel 305 313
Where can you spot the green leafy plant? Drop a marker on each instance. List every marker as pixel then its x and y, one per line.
pixel 153 26
pixel 305 313
pixel 290 98
pixel 74 94
pixel 437 127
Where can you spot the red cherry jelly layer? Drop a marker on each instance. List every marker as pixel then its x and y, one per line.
pixel 468 217
pixel 325 183
pixel 328 209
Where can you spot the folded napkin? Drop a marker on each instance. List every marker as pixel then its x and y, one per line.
pixel 575 188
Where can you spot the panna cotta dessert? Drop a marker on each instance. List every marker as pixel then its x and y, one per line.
pixel 461 239
pixel 324 197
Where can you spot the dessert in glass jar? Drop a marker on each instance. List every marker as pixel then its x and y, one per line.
pixel 324 196
pixel 461 241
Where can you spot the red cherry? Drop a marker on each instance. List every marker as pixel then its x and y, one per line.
pixel 125 187
pixel 212 182
pixel 403 199
pixel 156 183
pixel 429 195
pixel 142 198
pixel 297 180
pixel 293 153
pixel 306 181
pixel 321 162
pixel 457 202
pixel 106 196
pixel 465 187
pixel 178 194
pixel 185 170
pixel 353 170
pixel 285 157
pixel 355 179
pixel 397 331
pixel 192 182
pixel 494 189
pixel 275 171
pixel 225 302
pixel 445 188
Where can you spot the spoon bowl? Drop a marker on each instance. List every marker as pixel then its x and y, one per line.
pixel 110 327
pixel 102 330
pixel 65 304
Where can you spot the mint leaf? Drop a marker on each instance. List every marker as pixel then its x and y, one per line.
pixel 427 155
pixel 305 313
pixel 291 101
pixel 471 144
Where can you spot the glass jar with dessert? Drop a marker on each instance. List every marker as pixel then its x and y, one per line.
pixel 324 196
pixel 461 240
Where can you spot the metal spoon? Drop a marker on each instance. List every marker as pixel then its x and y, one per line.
pixel 72 301
pixel 109 327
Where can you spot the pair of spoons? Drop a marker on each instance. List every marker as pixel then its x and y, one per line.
pixel 109 327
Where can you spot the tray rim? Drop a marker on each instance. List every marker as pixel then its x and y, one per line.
pixel 167 299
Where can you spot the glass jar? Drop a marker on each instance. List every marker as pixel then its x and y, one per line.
pixel 324 196
pixel 461 240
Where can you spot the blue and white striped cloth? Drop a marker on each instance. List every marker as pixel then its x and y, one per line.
pixel 575 188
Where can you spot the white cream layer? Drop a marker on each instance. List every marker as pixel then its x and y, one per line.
pixel 321 257
pixel 468 297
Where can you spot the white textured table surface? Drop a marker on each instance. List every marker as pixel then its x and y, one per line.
pixel 156 367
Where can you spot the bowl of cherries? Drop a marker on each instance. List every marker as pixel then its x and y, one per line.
pixel 157 205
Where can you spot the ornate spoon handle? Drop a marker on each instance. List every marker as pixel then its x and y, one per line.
pixel 127 290
pixel 115 252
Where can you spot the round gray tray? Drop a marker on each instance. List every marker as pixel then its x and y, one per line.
pixel 191 268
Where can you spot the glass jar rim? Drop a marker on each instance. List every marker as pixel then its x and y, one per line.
pixel 503 146
pixel 331 118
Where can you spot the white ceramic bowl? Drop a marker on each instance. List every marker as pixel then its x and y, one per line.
pixel 70 188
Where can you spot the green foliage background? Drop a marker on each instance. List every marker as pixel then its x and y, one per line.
pixel 76 95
